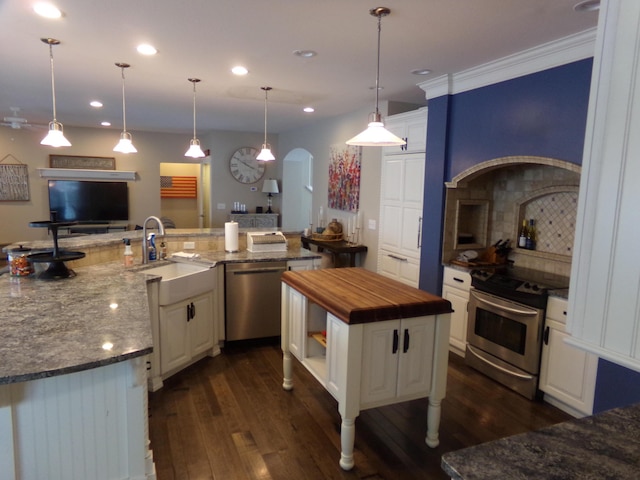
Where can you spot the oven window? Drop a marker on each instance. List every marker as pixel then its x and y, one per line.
pixel 501 330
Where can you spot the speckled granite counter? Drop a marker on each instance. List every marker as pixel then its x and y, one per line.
pixel 603 446
pixel 58 327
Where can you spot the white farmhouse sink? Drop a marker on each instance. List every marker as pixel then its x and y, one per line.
pixel 182 280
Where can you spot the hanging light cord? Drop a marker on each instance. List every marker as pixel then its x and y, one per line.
pixel 378 65
pixel 193 80
pixel 266 91
pixel 124 116
pixel 53 83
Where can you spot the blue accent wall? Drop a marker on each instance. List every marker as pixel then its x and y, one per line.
pixel 542 114
pixel 616 386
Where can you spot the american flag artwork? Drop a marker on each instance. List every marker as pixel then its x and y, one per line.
pixel 178 187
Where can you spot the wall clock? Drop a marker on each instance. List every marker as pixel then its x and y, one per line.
pixel 244 166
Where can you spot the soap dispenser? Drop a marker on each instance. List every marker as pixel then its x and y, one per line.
pixel 128 253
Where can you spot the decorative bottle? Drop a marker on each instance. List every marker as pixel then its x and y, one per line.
pixel 152 247
pixel 531 235
pixel 522 236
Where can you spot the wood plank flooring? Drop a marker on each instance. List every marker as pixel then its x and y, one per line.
pixel 229 418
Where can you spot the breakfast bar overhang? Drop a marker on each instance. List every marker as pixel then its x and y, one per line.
pixel 369 340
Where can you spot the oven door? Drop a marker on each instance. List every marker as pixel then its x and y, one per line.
pixel 508 330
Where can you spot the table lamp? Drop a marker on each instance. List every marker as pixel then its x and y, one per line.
pixel 270 187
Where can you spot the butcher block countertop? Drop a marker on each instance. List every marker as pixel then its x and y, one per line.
pixel 356 295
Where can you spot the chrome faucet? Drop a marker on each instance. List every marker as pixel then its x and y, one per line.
pixel 145 247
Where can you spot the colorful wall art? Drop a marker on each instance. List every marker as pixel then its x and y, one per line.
pixel 344 177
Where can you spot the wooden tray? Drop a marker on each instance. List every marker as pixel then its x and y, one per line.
pixel 332 237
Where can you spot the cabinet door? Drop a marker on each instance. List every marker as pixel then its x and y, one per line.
pixel 399 267
pixel 459 300
pixel 301 265
pixel 174 336
pixel 201 325
pixel 401 204
pixel 416 356
pixel 297 318
pixel 567 373
pixel 380 351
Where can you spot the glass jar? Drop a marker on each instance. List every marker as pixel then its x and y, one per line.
pixel 19 263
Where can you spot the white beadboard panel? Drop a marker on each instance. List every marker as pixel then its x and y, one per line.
pixel 84 425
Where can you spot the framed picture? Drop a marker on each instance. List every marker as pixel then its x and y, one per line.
pixel 89 163
pixel 14 182
pixel 344 177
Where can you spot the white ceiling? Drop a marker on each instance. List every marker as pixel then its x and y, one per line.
pixel 205 38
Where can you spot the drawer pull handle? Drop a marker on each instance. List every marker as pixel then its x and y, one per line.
pixel 402 259
pixel 458 279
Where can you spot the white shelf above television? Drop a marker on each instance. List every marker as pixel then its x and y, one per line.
pixel 80 173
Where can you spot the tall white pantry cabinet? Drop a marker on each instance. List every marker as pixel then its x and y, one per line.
pixel 401 192
pixel 604 297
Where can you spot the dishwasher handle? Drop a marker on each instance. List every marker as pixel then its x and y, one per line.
pixel 259 270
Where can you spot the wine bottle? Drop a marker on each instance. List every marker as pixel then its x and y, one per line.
pixel 522 236
pixel 530 242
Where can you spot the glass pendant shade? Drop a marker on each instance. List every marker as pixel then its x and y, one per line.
pixel 376 135
pixel 265 154
pixel 194 151
pixel 125 145
pixel 55 137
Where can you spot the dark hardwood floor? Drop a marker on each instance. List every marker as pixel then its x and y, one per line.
pixel 229 418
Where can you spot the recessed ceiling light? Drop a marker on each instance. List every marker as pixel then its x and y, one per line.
pixel 587 6
pixel 239 70
pixel 95 104
pixel 105 124
pixel 146 49
pixel 305 53
pixel 308 109
pixel 421 71
pixel 47 10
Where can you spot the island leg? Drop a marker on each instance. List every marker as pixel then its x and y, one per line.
pixel 347 440
pixel 433 423
pixel 287 362
pixel 287 383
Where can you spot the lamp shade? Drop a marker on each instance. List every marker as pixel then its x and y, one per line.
pixel 125 145
pixel 195 151
pixel 270 186
pixel 265 155
pixel 55 137
pixel 376 136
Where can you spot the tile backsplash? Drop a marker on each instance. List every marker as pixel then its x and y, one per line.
pixel 546 193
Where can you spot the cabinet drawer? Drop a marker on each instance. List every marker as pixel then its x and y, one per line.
pixel 557 309
pixel 457 278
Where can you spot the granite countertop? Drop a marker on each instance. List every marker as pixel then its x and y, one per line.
pixel 606 445
pixel 62 326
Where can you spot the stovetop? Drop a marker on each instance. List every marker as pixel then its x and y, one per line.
pixel 519 284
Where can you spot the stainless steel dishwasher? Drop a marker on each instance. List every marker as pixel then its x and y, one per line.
pixel 252 299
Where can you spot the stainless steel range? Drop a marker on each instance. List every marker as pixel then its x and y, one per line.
pixel 506 321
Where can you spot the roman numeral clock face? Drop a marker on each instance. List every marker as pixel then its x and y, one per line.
pixel 244 166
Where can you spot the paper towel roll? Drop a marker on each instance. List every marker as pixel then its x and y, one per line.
pixel 231 236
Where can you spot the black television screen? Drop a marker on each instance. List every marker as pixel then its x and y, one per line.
pixel 88 202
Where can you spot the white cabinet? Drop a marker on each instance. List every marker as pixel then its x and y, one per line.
pixel 604 315
pixel 186 332
pixel 410 126
pixel 396 360
pixel 255 220
pixel 455 288
pixel 401 197
pixel 567 374
pixel 306 264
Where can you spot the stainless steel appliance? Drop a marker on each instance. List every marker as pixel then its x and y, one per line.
pixel 506 321
pixel 252 299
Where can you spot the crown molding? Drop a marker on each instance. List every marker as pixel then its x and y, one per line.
pixel 549 55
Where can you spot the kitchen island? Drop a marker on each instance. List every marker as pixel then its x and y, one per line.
pixel 369 340
pixel 606 445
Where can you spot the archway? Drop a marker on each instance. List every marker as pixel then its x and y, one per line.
pixel 297 189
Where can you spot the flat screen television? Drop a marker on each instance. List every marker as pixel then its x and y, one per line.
pixel 88 201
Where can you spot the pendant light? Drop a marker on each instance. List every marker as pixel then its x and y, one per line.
pixel 376 135
pixel 265 154
pixel 194 147
pixel 55 137
pixel 125 145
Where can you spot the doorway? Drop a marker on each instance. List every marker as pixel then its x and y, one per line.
pixel 297 189
pixel 183 193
